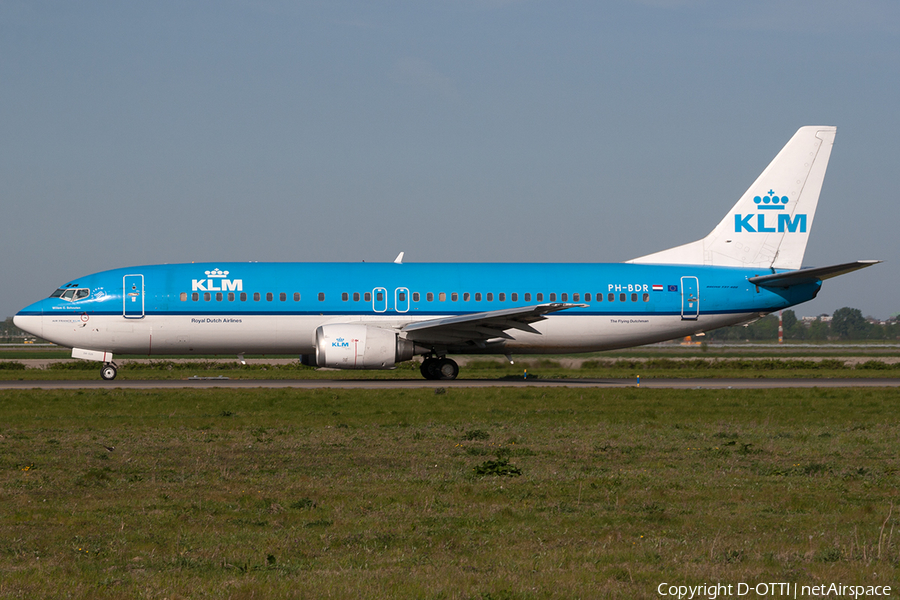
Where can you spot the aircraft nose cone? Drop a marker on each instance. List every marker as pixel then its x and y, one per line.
pixel 30 320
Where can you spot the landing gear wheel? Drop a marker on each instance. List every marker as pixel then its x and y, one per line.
pixel 108 372
pixel 429 368
pixel 447 369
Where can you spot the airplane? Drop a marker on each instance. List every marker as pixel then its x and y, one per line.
pixel 375 315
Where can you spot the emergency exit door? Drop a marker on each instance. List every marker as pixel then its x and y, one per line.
pixel 133 297
pixel 690 299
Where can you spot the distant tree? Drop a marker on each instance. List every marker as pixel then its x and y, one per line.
pixel 875 330
pixel 846 323
pixel 764 329
pixel 892 330
pixel 818 331
pixel 849 324
pixel 788 319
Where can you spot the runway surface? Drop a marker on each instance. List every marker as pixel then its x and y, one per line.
pixel 373 384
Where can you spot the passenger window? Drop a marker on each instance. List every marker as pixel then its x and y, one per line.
pixel 415 296
pixel 564 297
pixel 575 297
pixel 401 296
pixel 321 296
pixel 528 297
pixel 501 297
pixel 540 297
pixel 195 296
pixel 256 296
pixel 634 297
pixel 297 296
pixel 218 296
pixel 611 297
pixel 367 296
pixel 465 296
pixel 646 297
pixel 206 296
pixel 231 296
pixel 477 296
pixel 553 297
pixel 429 296
pixel 379 296
pixel 442 296
pixel 490 296
pixel 282 297
pixel 345 296
pixel 356 296
pixel 243 296
pixel 587 297
pixel 621 297
pixel 184 296
pixel 514 296
pixel 269 297
pixel 454 297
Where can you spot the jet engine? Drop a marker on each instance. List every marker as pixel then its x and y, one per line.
pixel 358 346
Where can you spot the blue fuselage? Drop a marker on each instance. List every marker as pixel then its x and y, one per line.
pixel 276 307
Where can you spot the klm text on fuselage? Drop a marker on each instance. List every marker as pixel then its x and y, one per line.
pixel 209 285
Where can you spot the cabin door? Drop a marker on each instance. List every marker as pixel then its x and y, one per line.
pixel 379 299
pixel 401 300
pixel 690 299
pixel 133 296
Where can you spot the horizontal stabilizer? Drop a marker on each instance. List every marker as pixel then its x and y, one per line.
pixel 789 278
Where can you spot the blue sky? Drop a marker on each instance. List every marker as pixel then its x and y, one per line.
pixel 458 130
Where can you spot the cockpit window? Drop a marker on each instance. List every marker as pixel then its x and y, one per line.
pixel 71 294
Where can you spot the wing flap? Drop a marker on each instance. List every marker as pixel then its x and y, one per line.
pixel 479 327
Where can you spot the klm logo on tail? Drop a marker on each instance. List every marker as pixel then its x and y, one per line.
pixel 767 221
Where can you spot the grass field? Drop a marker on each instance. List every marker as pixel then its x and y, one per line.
pixel 482 494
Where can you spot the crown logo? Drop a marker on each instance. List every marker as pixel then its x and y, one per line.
pixel 216 273
pixel 771 201
pixel 339 340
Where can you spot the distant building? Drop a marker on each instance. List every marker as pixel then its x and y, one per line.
pixel 823 318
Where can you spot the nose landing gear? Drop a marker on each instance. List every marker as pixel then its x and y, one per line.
pixel 442 368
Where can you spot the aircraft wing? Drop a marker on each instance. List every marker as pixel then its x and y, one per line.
pixel 483 326
pixel 789 278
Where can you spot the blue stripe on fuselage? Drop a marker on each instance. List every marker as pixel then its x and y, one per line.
pixel 722 290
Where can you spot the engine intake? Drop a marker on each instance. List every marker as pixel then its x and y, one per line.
pixel 358 346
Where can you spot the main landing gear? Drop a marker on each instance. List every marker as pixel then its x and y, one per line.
pixel 108 372
pixel 439 368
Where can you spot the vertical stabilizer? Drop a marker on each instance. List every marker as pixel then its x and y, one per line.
pixel 769 226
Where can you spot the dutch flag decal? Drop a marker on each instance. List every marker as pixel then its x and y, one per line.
pixel 657 288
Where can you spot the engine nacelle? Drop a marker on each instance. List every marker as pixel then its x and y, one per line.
pixel 358 346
